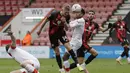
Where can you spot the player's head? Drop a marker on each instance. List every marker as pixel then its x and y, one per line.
pixel 119 18
pixel 91 15
pixel 7 47
pixel 66 9
pixel 76 11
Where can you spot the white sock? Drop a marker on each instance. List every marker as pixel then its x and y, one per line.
pixel 83 66
pixel 29 68
pixel 119 58
pixel 66 64
pixel 128 59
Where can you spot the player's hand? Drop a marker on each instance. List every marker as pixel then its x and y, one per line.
pixel 109 25
pixel 38 33
pixel 63 19
pixel 110 39
pixel 9 33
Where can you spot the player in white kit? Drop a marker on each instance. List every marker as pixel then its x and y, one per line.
pixel 28 62
pixel 78 28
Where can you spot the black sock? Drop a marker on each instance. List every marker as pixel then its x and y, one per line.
pixel 90 58
pixel 73 65
pixel 127 52
pixel 59 62
pixel 123 54
pixel 73 56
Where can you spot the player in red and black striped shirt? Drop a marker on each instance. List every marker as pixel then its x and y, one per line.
pixel 121 29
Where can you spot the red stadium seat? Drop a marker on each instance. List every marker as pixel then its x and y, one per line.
pixel 21 6
pixel 7 7
pixel 101 4
pixel 2 12
pixel 26 2
pixel 95 4
pixel 20 2
pixel 14 2
pixel 7 2
pixel 107 3
pixel 104 15
pixel 98 15
pixel 1 2
pixel 33 5
pixel 8 12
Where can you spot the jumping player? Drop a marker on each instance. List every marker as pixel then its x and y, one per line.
pixel 58 21
pixel 90 26
pixel 28 62
pixel 78 28
pixel 121 29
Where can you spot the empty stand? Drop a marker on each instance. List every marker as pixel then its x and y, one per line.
pixel 103 9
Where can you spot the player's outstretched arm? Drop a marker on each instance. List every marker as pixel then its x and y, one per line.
pixel 13 39
pixel 109 26
pixel 127 29
pixel 42 26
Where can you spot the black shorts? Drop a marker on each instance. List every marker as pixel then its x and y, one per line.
pixel 125 42
pixel 55 38
pixel 82 50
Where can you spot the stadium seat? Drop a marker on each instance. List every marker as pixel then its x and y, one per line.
pixel 1 2
pixel 2 12
pixel 14 2
pixel 9 12
pixel 20 2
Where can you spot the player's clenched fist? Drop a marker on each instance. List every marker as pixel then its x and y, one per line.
pixel 9 33
pixel 63 19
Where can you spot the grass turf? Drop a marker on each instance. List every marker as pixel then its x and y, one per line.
pixel 50 66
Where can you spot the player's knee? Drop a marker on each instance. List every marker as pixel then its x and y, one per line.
pixel 67 46
pixel 57 52
pixel 66 56
pixel 25 63
pixel 93 52
pixel 80 60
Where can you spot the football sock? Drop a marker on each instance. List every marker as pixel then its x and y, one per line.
pixel 73 56
pixel 30 68
pixel 58 59
pixel 90 58
pixel 73 65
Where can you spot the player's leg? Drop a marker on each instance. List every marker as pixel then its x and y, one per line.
pixel 29 65
pixel 66 62
pixel 55 46
pixel 81 55
pixel 65 42
pixel 126 47
pixel 124 53
pixel 93 53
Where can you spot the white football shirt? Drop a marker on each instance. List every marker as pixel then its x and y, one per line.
pixel 78 30
pixel 20 55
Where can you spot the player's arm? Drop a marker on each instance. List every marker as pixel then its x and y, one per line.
pixel 13 39
pixel 67 22
pixel 127 29
pixel 50 17
pixel 110 25
pixel 46 20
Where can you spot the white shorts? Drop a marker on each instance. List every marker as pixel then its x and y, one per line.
pixel 35 63
pixel 75 45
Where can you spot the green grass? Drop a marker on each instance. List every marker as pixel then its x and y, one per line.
pixel 50 66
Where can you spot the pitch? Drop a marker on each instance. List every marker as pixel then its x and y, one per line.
pixel 50 66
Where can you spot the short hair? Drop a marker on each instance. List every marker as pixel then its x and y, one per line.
pixel 67 7
pixel 92 11
pixel 83 11
pixel 7 47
